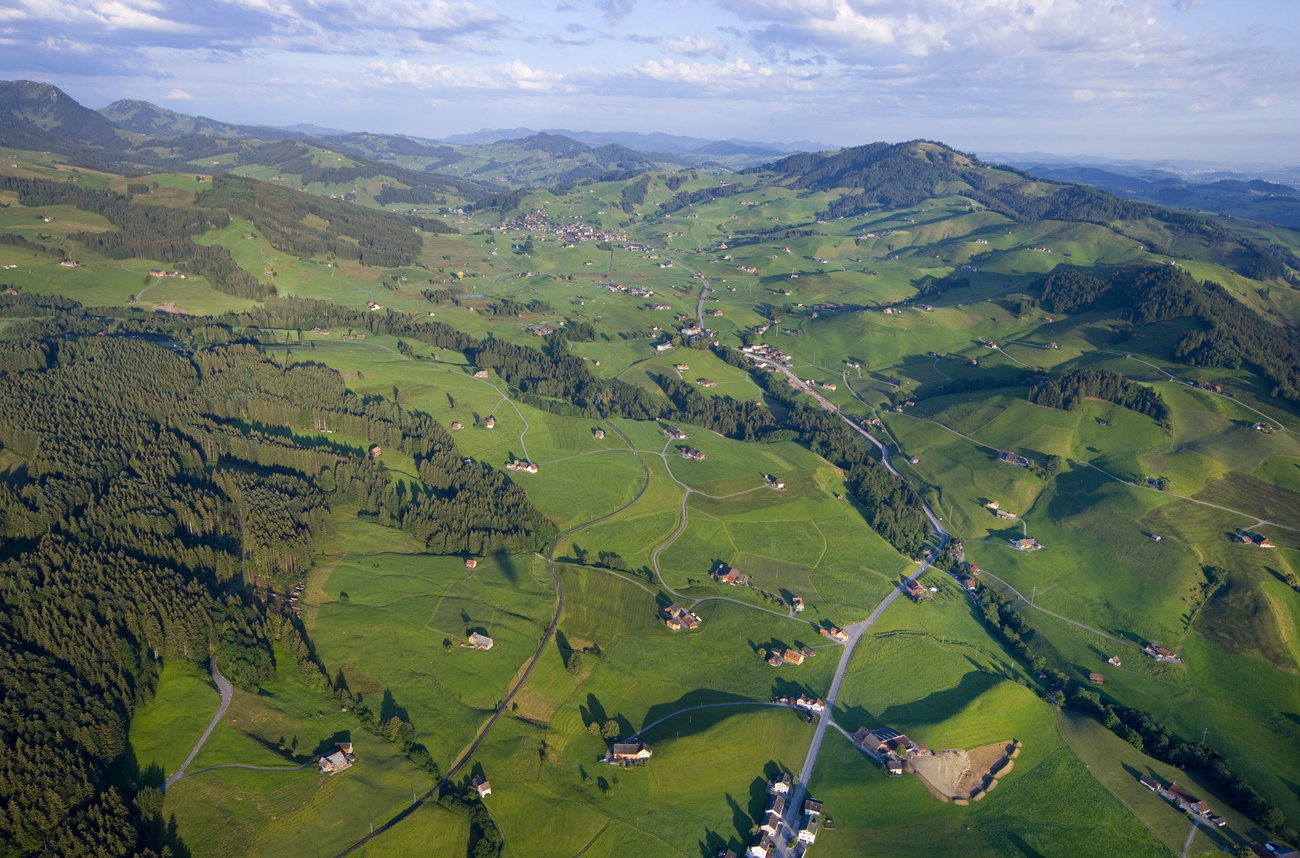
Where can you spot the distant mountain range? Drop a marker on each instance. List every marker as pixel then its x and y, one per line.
pixel 669 144
pixel 1263 192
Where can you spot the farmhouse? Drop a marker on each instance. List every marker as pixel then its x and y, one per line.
pixel 692 453
pixel 480 373
pixel 1004 514
pixel 470 563
pixel 490 422
pixel 828 385
pixel 1186 802
pixel 681 367
pixel 663 347
pixel 708 382
pixel 1014 458
pixel 791 656
pixel 678 617
pixel 481 784
pixel 916 591
pixel 1251 538
pixel 730 575
pixel 599 433
pixel 835 634
pixel 798 604
pixel 883 740
pixel 1113 661
pixel 1150 783
pixel 993 505
pixel 341 759
pixel 522 466
pixel 1159 653
pixel 675 433
pixel 375 452
pixel 968 583
pixel 478 641
pixel 1096 678
pixel 853 364
pixel 457 425
pixel 1026 544
pixel 775 483
pixel 630 751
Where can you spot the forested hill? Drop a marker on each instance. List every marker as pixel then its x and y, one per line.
pixel 145 481
pixel 905 174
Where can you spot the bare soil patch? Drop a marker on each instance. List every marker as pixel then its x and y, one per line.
pixel 968 775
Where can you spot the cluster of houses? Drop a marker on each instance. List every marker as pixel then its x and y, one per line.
pixel 159 272
pixel 997 510
pixel 773 821
pixel 888 747
pixel 1251 538
pixel 1042 249
pixel 791 656
pixel 336 762
pixel 576 232
pixel 678 618
pixel 835 633
pixel 522 466
pixel 628 753
pixel 809 704
pixel 1183 800
pixel 767 352
pixel 354 336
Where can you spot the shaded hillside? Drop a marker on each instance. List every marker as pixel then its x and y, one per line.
pixel 142 117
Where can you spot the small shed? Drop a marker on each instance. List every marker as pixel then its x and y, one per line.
pixel 1096 678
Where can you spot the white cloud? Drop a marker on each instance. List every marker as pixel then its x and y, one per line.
pixel 110 14
pixel 696 46
pixel 511 75
pixel 178 94
pixel 707 75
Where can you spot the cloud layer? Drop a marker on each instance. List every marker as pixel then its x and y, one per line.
pixel 1027 72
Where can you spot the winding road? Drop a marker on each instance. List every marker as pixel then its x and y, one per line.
pixel 223 686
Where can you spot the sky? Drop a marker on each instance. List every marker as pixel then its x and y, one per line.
pixel 1215 80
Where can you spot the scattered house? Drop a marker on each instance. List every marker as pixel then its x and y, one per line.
pixel 707 382
pixel 600 433
pixel 480 373
pixel 1014 458
pixel 895 382
pixel 481 784
pixel 1159 653
pixel 1026 544
pixel 679 618
pixel 675 433
pixel 1096 678
pixel 730 575
pixel 808 652
pixel 457 425
pixel 372 305
pixel 9 290
pixel 883 740
pixel 375 452
pixel 490 422
pixel 1113 661
pixel 522 466
pixel 1150 783
pixel 1004 514
pixel 781 785
pixel 967 583
pixel 836 634
pixel 663 347
pixel 914 460
pixel 791 656
pixel 681 367
pixel 775 659
pixel 478 641
pixel 853 364
pixel 692 453
pixel 812 806
pixel 972 362
pixel 341 759
pixel 916 591
pixel 993 505
pixel 1188 803
pixel 828 385
pixel 798 604
pixel 630 751
pixel 775 483
pixel 1155 537
pixel 1257 539
pixel 470 563
pixel 69 263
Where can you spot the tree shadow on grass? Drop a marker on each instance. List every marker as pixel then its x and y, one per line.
pixel 940 705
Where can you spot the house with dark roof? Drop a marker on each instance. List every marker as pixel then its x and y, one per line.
pixel 629 751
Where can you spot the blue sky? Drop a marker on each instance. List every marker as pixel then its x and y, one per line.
pixel 1205 79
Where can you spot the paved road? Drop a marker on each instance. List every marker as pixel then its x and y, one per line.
pixel 794 807
pixel 223 686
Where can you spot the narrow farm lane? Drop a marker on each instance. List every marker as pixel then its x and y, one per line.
pixel 224 687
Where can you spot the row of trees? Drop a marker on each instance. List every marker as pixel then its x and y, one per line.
pixel 1070 390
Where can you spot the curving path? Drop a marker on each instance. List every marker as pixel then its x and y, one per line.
pixel 468 752
pixel 223 686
